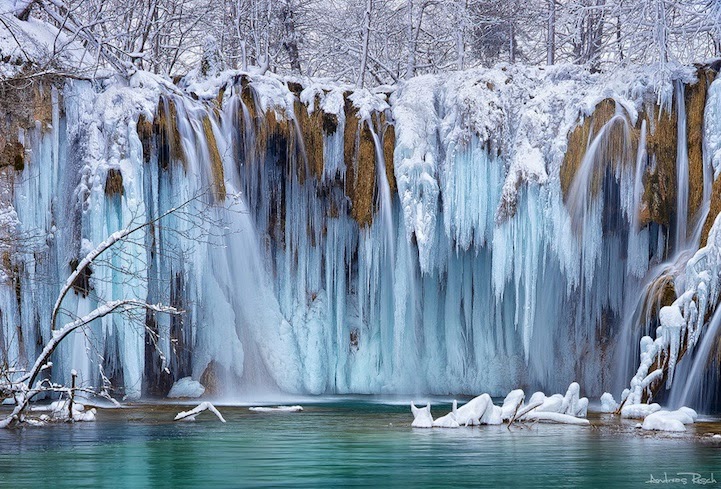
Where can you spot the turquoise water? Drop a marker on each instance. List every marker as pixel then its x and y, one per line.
pixel 345 443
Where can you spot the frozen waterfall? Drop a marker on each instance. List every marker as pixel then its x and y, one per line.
pixel 469 233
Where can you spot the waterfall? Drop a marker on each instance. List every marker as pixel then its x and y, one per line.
pixel 688 390
pixel 384 192
pixel 307 268
pixel 682 177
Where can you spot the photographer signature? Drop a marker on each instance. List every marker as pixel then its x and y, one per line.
pixel 682 478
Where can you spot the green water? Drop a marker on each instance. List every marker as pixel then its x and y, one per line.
pixel 344 443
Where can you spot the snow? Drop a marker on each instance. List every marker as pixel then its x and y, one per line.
pixel 639 411
pixel 34 42
pixel 554 417
pixel 512 403
pixel 368 103
pixel 537 397
pixel 553 404
pixel 581 410
pixel 480 410
pixel 573 404
pixel 186 387
pixel 474 411
pixel 712 126
pixel 447 421
pixel 415 160
pixel 59 411
pixel 608 403
pixel 492 416
pixel 422 417
pixel 670 420
pixel 276 409
pixel 193 413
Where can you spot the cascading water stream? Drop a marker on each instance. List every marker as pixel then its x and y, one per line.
pixel 638 238
pixel 581 190
pixel 682 176
pixel 637 266
pixel 673 271
pixel 687 389
pixel 386 203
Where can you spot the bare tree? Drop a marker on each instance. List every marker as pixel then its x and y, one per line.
pixel 23 386
pixel 551 35
pixel 366 41
pixel 382 41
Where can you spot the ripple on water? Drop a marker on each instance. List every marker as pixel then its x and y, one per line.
pixel 349 443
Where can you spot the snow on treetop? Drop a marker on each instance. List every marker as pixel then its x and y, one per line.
pixel 39 43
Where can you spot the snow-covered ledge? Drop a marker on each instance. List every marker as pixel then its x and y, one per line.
pixel 682 322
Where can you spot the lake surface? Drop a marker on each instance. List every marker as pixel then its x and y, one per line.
pixel 359 443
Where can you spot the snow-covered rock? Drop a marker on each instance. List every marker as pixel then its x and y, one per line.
pixel 639 411
pixel 537 397
pixel 608 403
pixel 186 387
pixel 422 416
pixel 555 417
pixel 492 416
pixel 553 404
pixel 449 420
pixel 474 411
pixel 670 420
pixel 581 410
pixel 59 411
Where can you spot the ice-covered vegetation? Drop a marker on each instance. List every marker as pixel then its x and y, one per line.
pixel 193 413
pixel 368 42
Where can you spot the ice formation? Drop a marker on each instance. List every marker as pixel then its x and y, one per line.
pixel 512 403
pixel 474 411
pixel 355 242
pixel 449 420
pixel 639 411
pixel 681 324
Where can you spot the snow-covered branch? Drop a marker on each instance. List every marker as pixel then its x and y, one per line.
pixel 102 247
pixel 24 389
pixel 191 414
